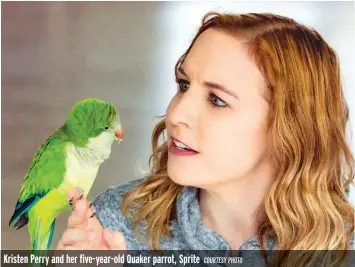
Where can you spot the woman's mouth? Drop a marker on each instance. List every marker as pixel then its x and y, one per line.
pixel 178 148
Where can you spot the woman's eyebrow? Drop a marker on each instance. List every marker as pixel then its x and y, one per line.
pixel 182 71
pixel 211 84
pixel 221 88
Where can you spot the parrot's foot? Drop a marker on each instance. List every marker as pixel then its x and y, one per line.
pixel 93 210
pixel 74 193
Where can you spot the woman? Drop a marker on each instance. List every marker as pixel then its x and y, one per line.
pixel 256 155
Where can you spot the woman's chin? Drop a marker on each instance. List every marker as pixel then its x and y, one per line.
pixel 185 180
pixel 180 181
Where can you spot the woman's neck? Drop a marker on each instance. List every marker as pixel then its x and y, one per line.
pixel 235 209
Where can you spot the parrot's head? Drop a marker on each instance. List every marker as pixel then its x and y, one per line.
pixel 93 123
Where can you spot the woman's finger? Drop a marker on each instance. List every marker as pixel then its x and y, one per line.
pixel 77 199
pixel 113 239
pixel 72 248
pixel 82 240
pixel 80 214
pixel 74 235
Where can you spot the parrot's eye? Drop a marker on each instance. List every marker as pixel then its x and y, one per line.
pixel 106 128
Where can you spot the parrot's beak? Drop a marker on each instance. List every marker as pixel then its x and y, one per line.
pixel 119 134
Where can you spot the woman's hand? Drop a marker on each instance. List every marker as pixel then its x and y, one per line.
pixel 85 231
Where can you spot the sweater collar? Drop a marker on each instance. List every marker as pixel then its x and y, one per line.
pixel 199 237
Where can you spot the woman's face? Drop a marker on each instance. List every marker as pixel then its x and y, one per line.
pixel 219 112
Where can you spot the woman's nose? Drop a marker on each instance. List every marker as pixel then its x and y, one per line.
pixel 184 109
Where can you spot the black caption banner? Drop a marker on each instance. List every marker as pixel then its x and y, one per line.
pixel 180 258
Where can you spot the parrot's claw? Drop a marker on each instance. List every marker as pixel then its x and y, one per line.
pixel 93 210
pixel 71 197
pixel 90 205
pixel 81 193
pixel 70 201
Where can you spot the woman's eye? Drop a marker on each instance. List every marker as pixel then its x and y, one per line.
pixel 183 85
pixel 216 101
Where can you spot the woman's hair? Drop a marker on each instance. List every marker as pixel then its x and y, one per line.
pixel 306 207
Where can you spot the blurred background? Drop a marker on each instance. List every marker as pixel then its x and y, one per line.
pixel 57 53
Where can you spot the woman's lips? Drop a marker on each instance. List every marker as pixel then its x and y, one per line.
pixel 177 141
pixel 173 149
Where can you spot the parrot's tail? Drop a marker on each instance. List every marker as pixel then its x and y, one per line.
pixel 20 216
pixel 42 239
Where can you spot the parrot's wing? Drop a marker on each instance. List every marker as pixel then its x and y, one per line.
pixel 45 173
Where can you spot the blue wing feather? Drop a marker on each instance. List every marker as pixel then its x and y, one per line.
pixel 22 208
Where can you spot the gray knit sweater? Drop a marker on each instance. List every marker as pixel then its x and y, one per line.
pixel 188 231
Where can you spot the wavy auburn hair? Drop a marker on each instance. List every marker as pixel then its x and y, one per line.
pixel 306 207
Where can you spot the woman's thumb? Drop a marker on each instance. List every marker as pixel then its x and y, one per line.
pixel 113 239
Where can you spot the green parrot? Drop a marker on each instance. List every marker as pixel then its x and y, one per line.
pixel 69 158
